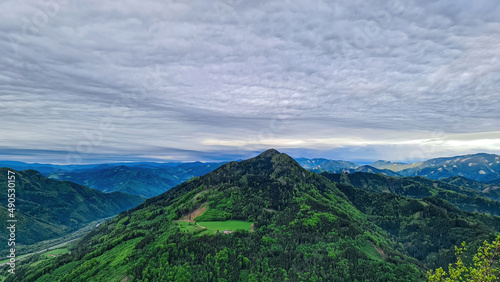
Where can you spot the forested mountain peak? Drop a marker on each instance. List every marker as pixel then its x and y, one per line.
pixel 288 214
pixel 271 179
pixel 270 153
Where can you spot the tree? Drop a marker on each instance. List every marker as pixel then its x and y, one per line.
pixel 486 265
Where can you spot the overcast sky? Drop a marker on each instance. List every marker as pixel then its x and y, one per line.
pixel 100 81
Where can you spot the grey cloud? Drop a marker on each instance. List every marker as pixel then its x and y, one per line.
pixel 173 74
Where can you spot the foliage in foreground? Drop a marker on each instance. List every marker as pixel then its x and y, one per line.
pixel 485 265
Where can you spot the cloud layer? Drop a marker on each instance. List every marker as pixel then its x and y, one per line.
pixel 94 81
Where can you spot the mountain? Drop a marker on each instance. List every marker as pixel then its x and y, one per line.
pixel 269 219
pixel 144 180
pixel 480 167
pixel 319 165
pixel 42 168
pixel 418 187
pixel 48 168
pixel 371 169
pixel 46 208
pixel 394 166
pixel 262 219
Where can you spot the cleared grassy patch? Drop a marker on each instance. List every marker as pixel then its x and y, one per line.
pixel 55 252
pixel 370 250
pixel 186 226
pixel 231 225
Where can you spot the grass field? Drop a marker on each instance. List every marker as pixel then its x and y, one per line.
pixel 226 225
pixel 372 253
pixel 185 226
pixel 211 227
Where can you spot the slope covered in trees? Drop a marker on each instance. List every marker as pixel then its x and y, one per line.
pixel 428 229
pixel 46 208
pixel 417 187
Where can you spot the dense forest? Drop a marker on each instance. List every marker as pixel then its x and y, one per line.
pixel 47 208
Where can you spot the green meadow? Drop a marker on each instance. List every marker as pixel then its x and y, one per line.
pixel 226 225
pixel 211 227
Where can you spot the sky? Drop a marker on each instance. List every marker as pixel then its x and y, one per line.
pixel 216 80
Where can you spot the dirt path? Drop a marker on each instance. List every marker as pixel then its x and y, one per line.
pixel 191 216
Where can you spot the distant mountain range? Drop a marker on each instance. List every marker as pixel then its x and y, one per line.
pixel 394 166
pixel 50 168
pixel 479 167
pixel 318 165
pixel 144 180
pixel 149 179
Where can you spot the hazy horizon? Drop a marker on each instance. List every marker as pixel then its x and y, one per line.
pixel 359 162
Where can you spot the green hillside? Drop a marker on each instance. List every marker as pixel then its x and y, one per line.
pixel 417 187
pixel 427 229
pixel 47 208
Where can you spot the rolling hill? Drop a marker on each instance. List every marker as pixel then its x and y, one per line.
pixel 490 189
